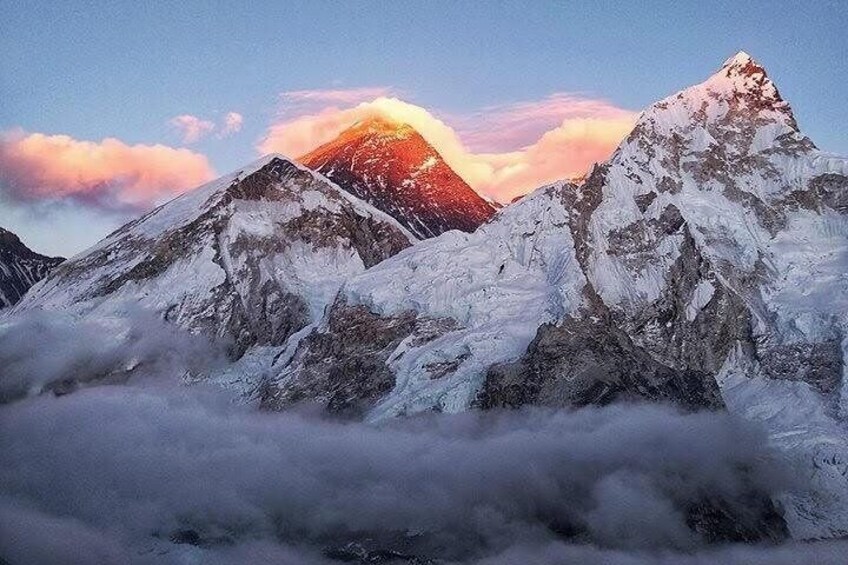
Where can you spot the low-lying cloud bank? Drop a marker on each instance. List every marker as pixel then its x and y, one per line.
pixel 146 472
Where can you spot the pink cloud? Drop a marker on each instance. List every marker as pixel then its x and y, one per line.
pixel 510 126
pixel 109 173
pixel 191 128
pixel 559 137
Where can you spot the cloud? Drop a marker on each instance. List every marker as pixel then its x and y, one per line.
pixel 232 124
pixel 138 343
pixel 518 125
pixel 516 147
pixel 108 173
pixel 183 474
pixel 320 98
pixel 191 128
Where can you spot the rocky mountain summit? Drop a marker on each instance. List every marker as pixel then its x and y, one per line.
pixel 20 268
pixel 392 167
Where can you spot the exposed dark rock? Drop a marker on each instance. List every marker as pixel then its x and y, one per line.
pixel 583 201
pixel 818 364
pixel 750 518
pixel 584 362
pixel 664 328
pixel 20 268
pixel 828 190
pixel 343 366
pixel 645 200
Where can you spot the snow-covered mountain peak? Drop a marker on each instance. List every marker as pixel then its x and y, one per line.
pixel 252 257
pixel 737 106
pixel 742 62
pixel 20 268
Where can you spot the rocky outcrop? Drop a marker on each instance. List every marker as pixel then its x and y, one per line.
pixel 585 362
pixel 343 366
pixel 20 268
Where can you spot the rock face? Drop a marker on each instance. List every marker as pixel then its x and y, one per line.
pixel 392 167
pixel 582 363
pixel 252 257
pixel 20 268
pixel 711 248
pixel 344 365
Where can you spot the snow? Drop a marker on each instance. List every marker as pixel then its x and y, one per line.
pixel 800 426
pixel 498 283
pixel 725 161
pixel 702 295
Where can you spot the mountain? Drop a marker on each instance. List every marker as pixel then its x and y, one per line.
pixel 251 258
pixel 703 264
pixel 391 166
pixel 20 268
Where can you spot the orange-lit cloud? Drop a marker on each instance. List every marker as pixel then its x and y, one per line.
pixel 516 148
pixel 109 173
pixel 510 126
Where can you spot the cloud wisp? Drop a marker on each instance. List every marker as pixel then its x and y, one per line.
pixel 232 124
pixel 193 129
pixel 300 101
pixel 107 174
pixel 501 151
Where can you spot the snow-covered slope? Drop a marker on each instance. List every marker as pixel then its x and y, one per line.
pixel 252 257
pixel 20 268
pixel 714 242
pixel 445 310
pixel 391 166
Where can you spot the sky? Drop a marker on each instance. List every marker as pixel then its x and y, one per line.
pixel 109 108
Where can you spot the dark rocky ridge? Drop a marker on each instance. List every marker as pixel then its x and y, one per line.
pixel 20 268
pixel 342 366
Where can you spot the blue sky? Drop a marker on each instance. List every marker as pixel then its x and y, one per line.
pixel 92 70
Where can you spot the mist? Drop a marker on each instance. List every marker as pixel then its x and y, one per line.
pixel 147 470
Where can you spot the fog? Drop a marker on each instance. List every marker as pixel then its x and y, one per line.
pixel 144 471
